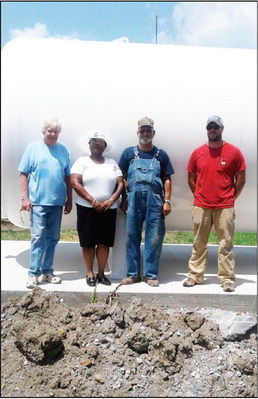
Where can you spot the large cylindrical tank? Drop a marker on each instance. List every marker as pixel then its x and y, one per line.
pixel 110 86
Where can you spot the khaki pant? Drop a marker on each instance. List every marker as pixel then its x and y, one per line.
pixel 223 222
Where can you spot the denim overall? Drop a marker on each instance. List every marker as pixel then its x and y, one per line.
pixel 145 201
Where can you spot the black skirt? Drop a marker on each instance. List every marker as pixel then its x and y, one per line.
pixel 94 227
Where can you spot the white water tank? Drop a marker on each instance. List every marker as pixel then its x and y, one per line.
pixel 110 85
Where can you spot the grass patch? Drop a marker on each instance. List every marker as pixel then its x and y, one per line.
pixel 24 235
pixel 11 232
pixel 15 235
pixel 186 237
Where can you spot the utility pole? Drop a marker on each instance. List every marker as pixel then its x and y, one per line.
pixel 156 29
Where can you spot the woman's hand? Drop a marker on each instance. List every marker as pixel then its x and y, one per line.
pixel 68 207
pixel 97 206
pixel 106 204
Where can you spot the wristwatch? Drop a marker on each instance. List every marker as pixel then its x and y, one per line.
pixel 168 201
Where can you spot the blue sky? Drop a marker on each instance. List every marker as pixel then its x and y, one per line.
pixel 220 24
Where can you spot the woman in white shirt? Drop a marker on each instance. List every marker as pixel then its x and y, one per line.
pixel 98 183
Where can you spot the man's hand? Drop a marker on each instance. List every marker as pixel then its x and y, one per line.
pixel 26 205
pixel 123 205
pixel 166 209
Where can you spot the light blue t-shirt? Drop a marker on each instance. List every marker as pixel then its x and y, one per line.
pixel 46 167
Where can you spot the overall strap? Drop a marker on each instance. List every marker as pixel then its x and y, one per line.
pixel 136 153
pixel 156 153
pixel 155 157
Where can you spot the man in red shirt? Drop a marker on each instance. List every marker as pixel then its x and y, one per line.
pixel 216 176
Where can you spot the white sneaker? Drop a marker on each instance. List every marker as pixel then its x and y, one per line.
pixel 32 282
pixel 49 278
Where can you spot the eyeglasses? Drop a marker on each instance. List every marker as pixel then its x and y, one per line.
pixel 25 217
pixel 97 141
pixel 145 130
pixel 215 127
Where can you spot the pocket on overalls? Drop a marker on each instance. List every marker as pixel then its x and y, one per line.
pixel 143 175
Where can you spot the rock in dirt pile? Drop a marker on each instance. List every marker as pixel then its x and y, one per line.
pixel 105 350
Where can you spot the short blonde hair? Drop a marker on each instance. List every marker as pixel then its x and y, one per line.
pixel 52 123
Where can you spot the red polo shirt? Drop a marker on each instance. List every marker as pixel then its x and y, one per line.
pixel 215 169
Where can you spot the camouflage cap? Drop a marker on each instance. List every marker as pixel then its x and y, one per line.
pixel 216 119
pixel 145 122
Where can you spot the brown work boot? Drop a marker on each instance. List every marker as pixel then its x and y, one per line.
pixel 130 280
pixel 189 282
pixel 228 286
pixel 153 282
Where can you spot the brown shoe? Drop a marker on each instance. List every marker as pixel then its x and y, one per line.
pixel 228 286
pixel 153 282
pixel 131 280
pixel 189 282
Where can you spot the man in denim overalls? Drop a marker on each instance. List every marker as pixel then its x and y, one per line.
pixel 146 170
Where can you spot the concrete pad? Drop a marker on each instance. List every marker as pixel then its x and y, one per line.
pixel 173 270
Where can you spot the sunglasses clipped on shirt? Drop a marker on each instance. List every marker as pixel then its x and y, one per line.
pixel 213 126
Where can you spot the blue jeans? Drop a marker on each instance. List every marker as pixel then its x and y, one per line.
pixel 144 206
pixel 45 234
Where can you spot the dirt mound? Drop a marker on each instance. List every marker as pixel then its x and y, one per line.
pixel 101 350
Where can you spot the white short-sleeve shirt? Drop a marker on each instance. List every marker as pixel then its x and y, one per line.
pixel 99 180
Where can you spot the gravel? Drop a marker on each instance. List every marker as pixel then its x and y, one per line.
pixel 106 350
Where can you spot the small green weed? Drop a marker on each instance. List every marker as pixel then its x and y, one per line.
pixel 93 295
